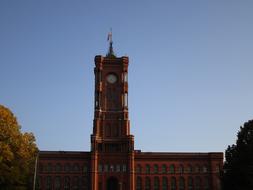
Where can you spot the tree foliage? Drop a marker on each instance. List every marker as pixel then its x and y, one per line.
pixel 17 152
pixel 238 167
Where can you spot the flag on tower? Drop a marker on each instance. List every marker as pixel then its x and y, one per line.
pixel 109 37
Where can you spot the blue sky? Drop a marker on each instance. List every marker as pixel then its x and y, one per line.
pixel 190 72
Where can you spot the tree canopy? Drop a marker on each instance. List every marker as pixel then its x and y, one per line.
pixel 17 152
pixel 238 167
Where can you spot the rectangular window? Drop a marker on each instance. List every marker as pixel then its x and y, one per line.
pixel 118 168
pixel 100 168
pixel 106 168
pixel 125 100
pixel 125 77
pixel 124 168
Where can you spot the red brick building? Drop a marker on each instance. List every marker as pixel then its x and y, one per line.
pixel 113 163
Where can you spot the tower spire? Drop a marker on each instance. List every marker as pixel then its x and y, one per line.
pixel 110 51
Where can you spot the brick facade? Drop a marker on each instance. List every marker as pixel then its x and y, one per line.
pixel 112 163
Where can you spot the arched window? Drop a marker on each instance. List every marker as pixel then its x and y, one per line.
pixel 117 168
pixel 181 169
pixel 75 184
pixel 41 168
pixel 197 183
pixel 156 169
pixel 85 168
pixel 217 168
pixel 205 169
pixel 189 168
pixel 172 169
pixel 190 183
pixel 156 183
pixel 76 167
pixel 57 183
pixel 38 183
pixel 147 169
pixel 100 168
pixel 67 167
pixel 124 168
pixel 67 183
pixel 181 183
pixel 106 168
pixel 58 167
pixel 147 183
pixel 197 169
pixel 164 183
pixel 49 167
pixel 139 183
pixel 164 169
pixel 84 183
pixel 173 183
pixel 206 183
pixel 138 169
pixel 48 183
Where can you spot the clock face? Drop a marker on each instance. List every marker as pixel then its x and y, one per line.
pixel 111 78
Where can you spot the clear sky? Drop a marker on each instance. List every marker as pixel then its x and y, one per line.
pixel 190 72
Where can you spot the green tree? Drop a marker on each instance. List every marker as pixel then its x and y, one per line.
pixel 17 153
pixel 238 167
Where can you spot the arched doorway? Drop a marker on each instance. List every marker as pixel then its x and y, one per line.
pixel 112 184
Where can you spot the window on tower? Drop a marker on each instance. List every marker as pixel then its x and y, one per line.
pixel 125 100
pixel 125 76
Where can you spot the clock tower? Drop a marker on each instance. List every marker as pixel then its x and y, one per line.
pixel 112 145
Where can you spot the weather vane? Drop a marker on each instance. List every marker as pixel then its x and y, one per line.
pixel 109 38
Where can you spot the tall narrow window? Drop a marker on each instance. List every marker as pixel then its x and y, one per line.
pixel 190 183
pixel 84 183
pixel 85 169
pixel 181 169
pixel 197 183
pixel 189 169
pixel 205 169
pixel 125 76
pixel 147 169
pixel 197 168
pixel 49 167
pixel 172 169
pixel 138 169
pixel 173 183
pixel 58 167
pixel 48 183
pixel 106 167
pixel 57 183
pixel 117 168
pixel 76 167
pixel 100 168
pixel 164 183
pixel 67 183
pixel 125 100
pixel 156 169
pixel 76 185
pixel 38 183
pixel 164 169
pixel 67 167
pixel 181 183
pixel 147 183
pixel 206 183
pixel 124 168
pixel 139 183
pixel 156 183
pixel 97 100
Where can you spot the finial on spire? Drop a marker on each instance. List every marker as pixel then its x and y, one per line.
pixel 109 38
